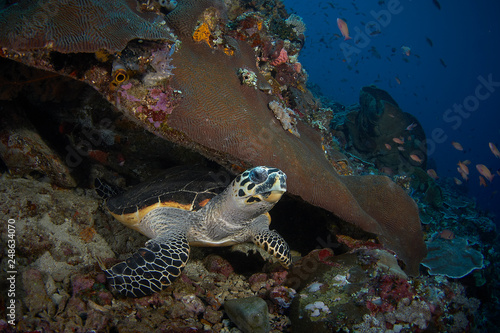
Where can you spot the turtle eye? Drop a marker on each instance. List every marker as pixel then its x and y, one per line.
pixel 258 175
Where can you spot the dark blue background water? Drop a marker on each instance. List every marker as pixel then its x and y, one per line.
pixel 464 34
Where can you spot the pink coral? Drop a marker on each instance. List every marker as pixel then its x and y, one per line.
pixel 282 58
pixel 391 289
pixel 217 264
pixel 282 296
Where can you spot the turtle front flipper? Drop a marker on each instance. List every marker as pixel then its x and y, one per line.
pixel 151 268
pixel 275 245
pixel 106 190
pixel 270 240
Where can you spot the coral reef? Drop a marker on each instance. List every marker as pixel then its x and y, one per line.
pixel 286 116
pixel 207 90
pixel 385 134
pixel 210 90
pixel 353 292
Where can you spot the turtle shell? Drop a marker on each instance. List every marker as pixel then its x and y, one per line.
pixel 182 187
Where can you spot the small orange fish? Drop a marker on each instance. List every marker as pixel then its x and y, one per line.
pixel 466 162
pixel 463 167
pixel 401 148
pixel 457 146
pixel 388 146
pixel 399 140
pixel 463 174
pixel 343 28
pixel 484 171
pixel 387 171
pixel 406 50
pixel 432 173
pixel 397 80
pixel 494 150
pixel 447 234
pixel 416 158
pixel 457 181
pixel 482 182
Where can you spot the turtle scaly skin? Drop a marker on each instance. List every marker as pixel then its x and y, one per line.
pixel 237 215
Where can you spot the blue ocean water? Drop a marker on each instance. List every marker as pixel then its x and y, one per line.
pixel 450 80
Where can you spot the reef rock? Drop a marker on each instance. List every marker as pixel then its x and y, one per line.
pixel 249 314
pixel 365 291
pixel 26 153
pixel 381 131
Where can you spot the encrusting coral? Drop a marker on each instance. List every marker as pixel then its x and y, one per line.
pixel 230 122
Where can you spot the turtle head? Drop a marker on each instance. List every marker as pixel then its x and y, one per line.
pixel 260 187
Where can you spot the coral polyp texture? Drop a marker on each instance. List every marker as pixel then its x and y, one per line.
pixel 76 26
pixel 216 114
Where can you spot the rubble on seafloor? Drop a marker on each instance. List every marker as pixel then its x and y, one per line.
pixel 57 135
pixel 60 233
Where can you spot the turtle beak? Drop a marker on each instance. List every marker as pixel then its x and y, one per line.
pixel 277 189
pixel 274 196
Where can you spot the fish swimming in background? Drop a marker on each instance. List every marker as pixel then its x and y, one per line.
pixel 432 173
pixel 429 41
pixel 388 146
pixel 398 80
pixel 416 158
pixel 387 171
pixel 457 146
pixel 482 182
pixel 447 234
pixel 463 174
pixel 437 4
pixel 442 62
pixel 483 170
pixel 411 126
pixel 401 141
pixel 463 167
pixel 343 28
pixel 406 50
pixel 494 150
pixel 457 181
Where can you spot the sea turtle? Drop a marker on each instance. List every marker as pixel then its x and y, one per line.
pixel 187 207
